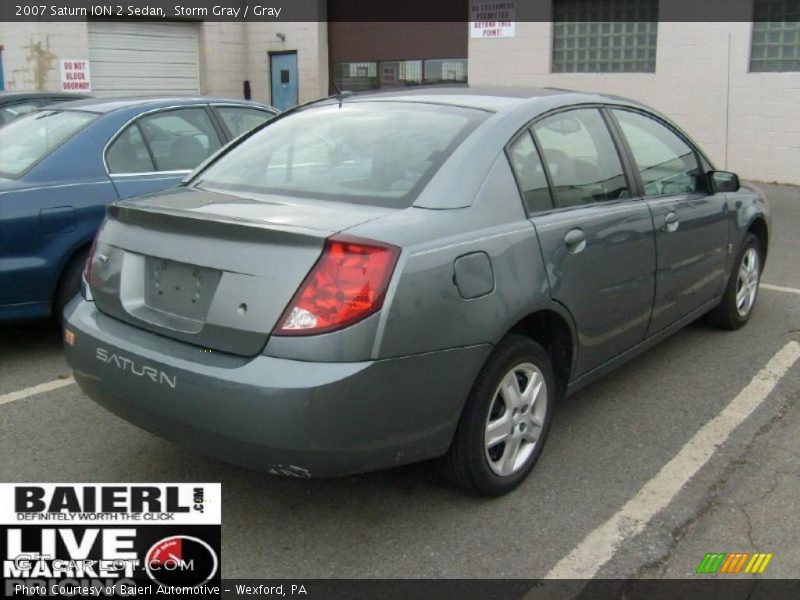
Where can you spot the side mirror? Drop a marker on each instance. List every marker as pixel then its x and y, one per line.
pixel 723 181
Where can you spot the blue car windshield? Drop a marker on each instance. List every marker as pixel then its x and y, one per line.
pixel 29 139
pixel 379 153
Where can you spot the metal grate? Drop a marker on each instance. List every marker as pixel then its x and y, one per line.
pixel 776 36
pixel 615 36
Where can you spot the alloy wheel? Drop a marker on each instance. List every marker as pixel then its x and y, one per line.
pixel 516 418
pixel 747 282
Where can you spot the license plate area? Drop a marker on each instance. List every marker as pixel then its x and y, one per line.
pixel 179 288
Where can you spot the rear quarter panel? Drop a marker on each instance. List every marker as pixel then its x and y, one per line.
pixel 70 183
pixel 424 310
pixel 34 255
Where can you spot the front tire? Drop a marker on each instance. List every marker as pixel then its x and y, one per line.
pixel 505 421
pixel 740 296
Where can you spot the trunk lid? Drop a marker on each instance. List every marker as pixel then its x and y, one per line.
pixel 211 268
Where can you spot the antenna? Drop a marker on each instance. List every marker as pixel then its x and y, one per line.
pixel 342 95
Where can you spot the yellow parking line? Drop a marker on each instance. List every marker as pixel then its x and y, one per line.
pixel 36 389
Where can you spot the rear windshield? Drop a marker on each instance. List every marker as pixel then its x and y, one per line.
pixel 27 140
pixel 379 153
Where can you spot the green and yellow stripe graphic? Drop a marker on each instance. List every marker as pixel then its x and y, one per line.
pixel 733 563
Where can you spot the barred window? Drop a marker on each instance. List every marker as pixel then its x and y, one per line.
pixel 615 36
pixel 452 70
pixel 356 76
pixel 776 36
pixel 373 75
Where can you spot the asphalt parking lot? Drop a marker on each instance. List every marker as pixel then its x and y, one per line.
pixel 606 444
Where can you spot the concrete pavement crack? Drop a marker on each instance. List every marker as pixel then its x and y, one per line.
pixel 749 526
pixel 711 500
pixel 775 483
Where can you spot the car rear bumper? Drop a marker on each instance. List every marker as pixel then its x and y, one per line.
pixel 271 414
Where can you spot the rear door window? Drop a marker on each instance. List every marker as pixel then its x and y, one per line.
pixel 129 154
pixel 172 140
pixel 667 164
pixel 529 171
pixel 179 140
pixel 581 157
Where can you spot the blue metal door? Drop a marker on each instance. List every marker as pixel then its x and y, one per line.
pixel 283 75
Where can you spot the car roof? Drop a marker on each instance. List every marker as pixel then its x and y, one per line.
pixel 107 105
pixel 490 98
pixel 9 96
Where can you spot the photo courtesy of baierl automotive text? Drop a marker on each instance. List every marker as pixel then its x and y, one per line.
pixel 306 299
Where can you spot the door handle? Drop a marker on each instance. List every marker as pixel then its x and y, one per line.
pixel 575 240
pixel 671 222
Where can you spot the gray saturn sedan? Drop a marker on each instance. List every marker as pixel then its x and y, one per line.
pixel 373 280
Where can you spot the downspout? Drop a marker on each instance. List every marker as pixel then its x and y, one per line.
pixel 728 102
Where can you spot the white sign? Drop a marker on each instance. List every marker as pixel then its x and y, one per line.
pixel 142 503
pixel 75 76
pixel 388 75
pixel 492 19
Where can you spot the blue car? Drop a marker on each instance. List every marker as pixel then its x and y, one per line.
pixel 61 166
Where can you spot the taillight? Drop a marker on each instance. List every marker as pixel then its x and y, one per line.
pixel 347 284
pixel 87 268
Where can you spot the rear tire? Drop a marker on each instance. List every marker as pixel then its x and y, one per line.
pixel 742 291
pixel 69 285
pixel 505 420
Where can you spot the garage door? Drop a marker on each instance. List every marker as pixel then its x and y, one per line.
pixel 141 58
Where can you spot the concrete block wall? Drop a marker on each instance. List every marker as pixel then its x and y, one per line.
pixel 32 54
pixel 229 54
pixel 223 59
pixel 310 40
pixel 747 122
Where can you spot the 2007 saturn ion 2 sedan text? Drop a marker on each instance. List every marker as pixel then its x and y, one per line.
pixel 372 280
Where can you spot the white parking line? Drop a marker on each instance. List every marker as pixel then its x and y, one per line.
pixel 36 389
pixel 779 288
pixel 600 545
